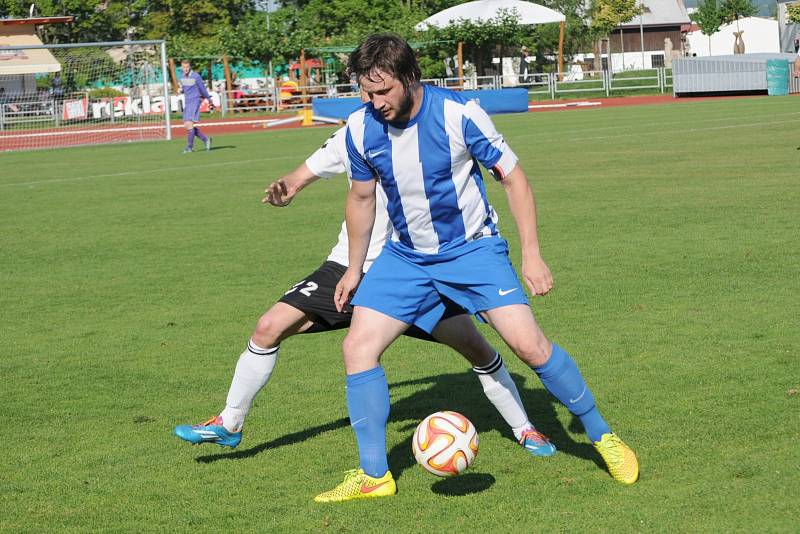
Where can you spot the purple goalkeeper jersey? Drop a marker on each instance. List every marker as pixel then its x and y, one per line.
pixel 193 89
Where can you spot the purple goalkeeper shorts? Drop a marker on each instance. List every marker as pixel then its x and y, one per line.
pixel 191 111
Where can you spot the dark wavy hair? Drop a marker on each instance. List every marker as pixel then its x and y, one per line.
pixel 387 53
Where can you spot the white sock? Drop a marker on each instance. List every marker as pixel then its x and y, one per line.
pixel 252 373
pixel 500 389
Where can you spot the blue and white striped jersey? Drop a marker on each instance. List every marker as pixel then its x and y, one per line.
pixel 428 168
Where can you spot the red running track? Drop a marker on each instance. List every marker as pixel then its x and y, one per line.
pixel 43 139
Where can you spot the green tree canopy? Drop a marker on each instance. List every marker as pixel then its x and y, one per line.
pixel 608 14
pixel 708 18
pixel 731 10
pixel 793 12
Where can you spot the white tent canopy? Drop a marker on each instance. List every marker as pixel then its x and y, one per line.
pixel 16 61
pixel 478 11
pixel 483 10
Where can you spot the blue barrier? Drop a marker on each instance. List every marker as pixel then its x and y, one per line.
pixel 335 108
pixel 493 101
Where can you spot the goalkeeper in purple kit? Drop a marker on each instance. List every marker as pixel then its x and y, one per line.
pixel 194 92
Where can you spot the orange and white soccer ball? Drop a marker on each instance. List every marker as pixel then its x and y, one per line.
pixel 445 443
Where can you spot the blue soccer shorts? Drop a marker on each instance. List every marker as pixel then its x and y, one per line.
pixel 412 287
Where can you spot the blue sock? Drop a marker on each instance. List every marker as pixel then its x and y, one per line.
pixel 563 380
pixel 368 404
pixel 199 134
pixel 190 138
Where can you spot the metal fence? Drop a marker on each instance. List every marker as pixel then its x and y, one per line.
pixel 541 86
pixel 28 110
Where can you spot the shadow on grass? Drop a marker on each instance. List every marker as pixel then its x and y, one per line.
pixel 460 392
pixel 465 484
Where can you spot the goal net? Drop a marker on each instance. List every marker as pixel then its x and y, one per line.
pixel 83 94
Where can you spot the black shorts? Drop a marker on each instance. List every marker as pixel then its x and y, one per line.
pixel 313 295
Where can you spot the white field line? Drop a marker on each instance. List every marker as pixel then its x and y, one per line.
pixel 112 129
pixel 550 135
pixel 638 134
pixel 685 130
pixel 149 171
pixel 565 105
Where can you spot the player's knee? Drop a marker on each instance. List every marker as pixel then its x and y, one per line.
pixel 478 352
pixel 359 355
pixel 533 350
pixel 267 332
pixel 351 347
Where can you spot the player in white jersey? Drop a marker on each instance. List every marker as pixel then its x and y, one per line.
pixel 423 145
pixel 308 307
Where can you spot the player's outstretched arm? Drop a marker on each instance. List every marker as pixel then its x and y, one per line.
pixel 797 67
pixel 281 192
pixel 359 215
pixel 535 271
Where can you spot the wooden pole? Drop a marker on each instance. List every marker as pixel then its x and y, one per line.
pixel 303 79
pixel 226 67
pixel 561 51
pixel 461 64
pixel 175 86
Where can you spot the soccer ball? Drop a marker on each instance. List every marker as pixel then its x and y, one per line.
pixel 445 443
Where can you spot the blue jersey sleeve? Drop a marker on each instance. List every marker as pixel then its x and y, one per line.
pixel 485 143
pixel 360 170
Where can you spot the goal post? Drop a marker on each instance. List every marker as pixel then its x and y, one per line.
pixel 84 94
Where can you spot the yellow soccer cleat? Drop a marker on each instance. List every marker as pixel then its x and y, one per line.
pixel 359 485
pixel 620 459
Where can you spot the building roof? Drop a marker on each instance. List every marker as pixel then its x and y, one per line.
pixel 15 60
pixel 36 20
pixel 660 13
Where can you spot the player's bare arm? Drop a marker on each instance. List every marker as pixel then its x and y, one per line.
pixel 360 217
pixel 523 208
pixel 281 192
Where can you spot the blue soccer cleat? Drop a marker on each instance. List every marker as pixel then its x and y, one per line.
pixel 211 431
pixel 187 150
pixel 537 443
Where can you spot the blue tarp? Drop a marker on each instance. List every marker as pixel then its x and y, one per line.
pixel 493 101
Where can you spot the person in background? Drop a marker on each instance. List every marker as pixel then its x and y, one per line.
pixel 797 65
pixel 194 92
pixel 524 72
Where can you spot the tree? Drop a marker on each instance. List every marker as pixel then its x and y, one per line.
pixel 482 39
pixel 578 35
pixel 793 12
pixel 708 18
pixel 316 23
pixel 12 9
pixel 735 9
pixel 607 15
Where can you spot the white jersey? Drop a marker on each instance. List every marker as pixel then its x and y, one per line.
pixel 331 160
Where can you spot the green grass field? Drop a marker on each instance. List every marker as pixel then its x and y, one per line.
pixel 131 278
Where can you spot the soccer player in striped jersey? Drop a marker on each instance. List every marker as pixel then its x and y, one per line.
pixel 194 92
pixel 308 307
pixel 423 145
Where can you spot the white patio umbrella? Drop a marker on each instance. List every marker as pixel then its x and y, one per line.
pixel 483 10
